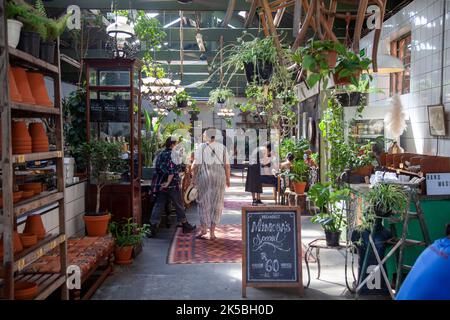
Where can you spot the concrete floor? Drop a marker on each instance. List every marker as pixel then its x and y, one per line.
pixel 149 277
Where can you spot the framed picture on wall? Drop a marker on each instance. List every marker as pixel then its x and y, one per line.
pixel 436 120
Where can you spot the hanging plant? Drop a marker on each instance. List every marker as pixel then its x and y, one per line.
pixel 219 95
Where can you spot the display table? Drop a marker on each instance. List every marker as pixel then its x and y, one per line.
pixel 436 210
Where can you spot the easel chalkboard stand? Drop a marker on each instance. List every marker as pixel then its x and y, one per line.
pixel 298 245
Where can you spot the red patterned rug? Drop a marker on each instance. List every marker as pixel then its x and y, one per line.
pixel 227 248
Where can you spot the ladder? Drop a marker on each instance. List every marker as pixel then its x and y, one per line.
pixel 399 243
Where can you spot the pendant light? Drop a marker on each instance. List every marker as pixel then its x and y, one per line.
pixel 388 64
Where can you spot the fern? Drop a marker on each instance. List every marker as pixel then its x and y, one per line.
pixel 40 8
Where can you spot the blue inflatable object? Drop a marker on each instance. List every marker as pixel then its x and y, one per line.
pixel 429 279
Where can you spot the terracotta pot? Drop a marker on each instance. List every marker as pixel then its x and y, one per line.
pixel 36 187
pixel 21 139
pixel 20 75
pixel 35 226
pixel 24 290
pixel 39 138
pixel 331 58
pixel 365 171
pixel 342 81
pixel 299 187
pixel 123 255
pixel 97 226
pixel 14 93
pixel 17 243
pixel 28 239
pixel 17 196
pixel 27 194
pixel 38 88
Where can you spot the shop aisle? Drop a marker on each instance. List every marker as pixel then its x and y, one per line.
pixel 150 277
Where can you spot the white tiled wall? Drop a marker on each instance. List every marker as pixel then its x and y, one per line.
pixel 424 19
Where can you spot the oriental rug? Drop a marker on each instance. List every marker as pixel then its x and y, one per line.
pixel 227 248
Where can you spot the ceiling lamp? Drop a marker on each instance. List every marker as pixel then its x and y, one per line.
pixel 388 64
pixel 120 29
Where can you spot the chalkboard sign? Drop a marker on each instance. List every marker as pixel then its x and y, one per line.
pixel 272 247
pixel 109 110
pixel 117 110
pixel 123 110
pixel 96 110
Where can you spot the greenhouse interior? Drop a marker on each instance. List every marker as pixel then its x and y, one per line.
pixel 225 150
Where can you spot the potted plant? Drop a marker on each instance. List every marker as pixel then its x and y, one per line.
pixel 299 175
pixel 331 216
pixel 318 58
pixel 219 95
pixel 296 147
pixel 105 159
pixel 258 57
pixel 349 68
pixel 182 98
pixel 74 114
pixel 385 199
pixel 54 29
pixel 34 25
pixel 127 235
pixel 14 26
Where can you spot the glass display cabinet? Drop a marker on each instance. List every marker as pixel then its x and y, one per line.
pixel 113 114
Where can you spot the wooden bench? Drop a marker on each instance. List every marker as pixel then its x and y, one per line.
pixel 93 255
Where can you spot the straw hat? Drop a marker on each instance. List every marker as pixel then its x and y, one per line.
pixel 190 194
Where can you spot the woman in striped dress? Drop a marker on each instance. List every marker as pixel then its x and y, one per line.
pixel 211 173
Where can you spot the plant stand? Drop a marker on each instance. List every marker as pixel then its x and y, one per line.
pixel 318 244
pixel 398 244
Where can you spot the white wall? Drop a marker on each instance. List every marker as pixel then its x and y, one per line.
pixel 424 18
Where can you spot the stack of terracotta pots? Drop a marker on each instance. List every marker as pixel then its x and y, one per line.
pixel 38 137
pixel 17 244
pixel 34 225
pixel 21 139
pixel 38 88
pixel 28 87
pixel 14 93
pixel 20 75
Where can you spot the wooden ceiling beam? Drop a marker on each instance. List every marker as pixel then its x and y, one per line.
pixel 251 14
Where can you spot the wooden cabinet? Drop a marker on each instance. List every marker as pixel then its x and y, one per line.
pixel 113 112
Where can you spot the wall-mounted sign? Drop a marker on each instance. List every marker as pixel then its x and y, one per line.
pixel 438 184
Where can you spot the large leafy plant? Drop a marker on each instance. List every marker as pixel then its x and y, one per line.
pixel 342 152
pixel 150 141
pixel 128 233
pixel 104 158
pixel 74 110
pixel 331 215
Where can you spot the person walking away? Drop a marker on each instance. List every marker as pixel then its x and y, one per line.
pixel 167 186
pixel 211 174
pixel 262 160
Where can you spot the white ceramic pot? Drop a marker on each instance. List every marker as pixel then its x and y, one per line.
pixel 14 28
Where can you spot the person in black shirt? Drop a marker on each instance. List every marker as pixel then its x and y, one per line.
pixel 167 187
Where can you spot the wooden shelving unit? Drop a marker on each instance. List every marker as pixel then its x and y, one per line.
pixel 14 264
